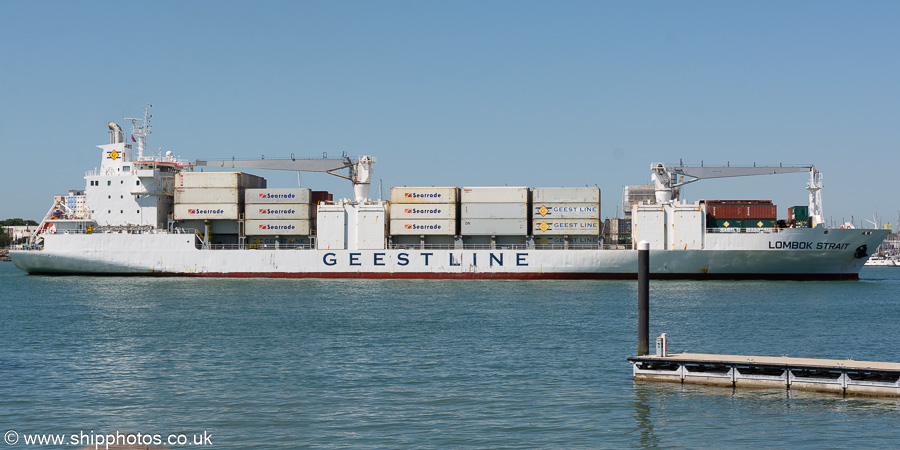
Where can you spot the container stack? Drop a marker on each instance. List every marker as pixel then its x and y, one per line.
pixel 424 211
pixel 570 211
pixel 641 194
pixel 617 231
pixel 212 195
pixel 798 216
pixel 277 212
pixel 494 211
pixel 734 215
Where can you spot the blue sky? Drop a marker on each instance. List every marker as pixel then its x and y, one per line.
pixel 464 93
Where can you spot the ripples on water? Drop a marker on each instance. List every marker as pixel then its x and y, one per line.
pixel 263 363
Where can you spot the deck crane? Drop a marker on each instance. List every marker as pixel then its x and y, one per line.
pixel 668 179
pixel 360 168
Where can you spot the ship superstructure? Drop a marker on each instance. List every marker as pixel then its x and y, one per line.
pixel 157 215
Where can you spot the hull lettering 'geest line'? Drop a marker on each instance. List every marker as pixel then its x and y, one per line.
pixel 403 259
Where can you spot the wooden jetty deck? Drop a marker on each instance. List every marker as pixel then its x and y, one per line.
pixel 840 376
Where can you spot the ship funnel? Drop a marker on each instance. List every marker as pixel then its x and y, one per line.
pixel 115 134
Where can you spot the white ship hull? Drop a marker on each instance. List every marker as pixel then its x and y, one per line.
pixel 797 254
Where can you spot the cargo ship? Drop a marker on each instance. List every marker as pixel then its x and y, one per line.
pixel 156 215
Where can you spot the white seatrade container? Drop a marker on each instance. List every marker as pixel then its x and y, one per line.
pixel 276 196
pixel 423 227
pixel 565 210
pixel 215 211
pixel 424 195
pixel 494 211
pixel 207 195
pixel 276 227
pixel 566 195
pixel 218 180
pixel 494 227
pixel 423 211
pixel 494 194
pixel 566 227
pixel 277 211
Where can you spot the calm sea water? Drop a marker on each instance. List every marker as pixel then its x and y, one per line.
pixel 373 363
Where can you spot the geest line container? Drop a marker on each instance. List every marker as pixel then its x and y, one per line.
pixel 232 180
pixel 494 227
pixel 207 195
pixel 276 196
pixel 423 227
pixel 424 195
pixel 565 210
pixel 255 227
pixel 565 195
pixel 494 194
pixel 561 240
pixel 566 227
pixel 423 211
pixel 494 211
pixel 277 211
pixel 216 211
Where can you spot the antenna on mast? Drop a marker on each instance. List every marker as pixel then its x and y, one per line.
pixel 142 131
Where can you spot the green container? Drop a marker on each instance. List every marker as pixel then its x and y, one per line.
pixel 624 239
pixel 726 223
pixel 759 223
pixel 798 213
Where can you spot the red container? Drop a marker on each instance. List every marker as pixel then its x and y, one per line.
pixel 314 198
pixel 741 209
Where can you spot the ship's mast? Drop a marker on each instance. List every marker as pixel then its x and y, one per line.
pixel 142 131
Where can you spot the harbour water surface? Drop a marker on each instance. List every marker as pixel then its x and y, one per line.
pixel 379 363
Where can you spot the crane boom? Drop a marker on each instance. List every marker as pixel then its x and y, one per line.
pixel 702 172
pixel 299 165
pixel 667 182
pixel 360 168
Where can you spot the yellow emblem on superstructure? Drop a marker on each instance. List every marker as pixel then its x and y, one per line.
pixel 543 211
pixel 544 226
pixel 114 154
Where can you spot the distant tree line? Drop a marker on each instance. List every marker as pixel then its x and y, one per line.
pixel 6 239
pixel 17 222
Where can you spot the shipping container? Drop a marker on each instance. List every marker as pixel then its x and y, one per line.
pixel 218 180
pixel 494 211
pixel 724 223
pixel 256 227
pixel 565 210
pixel 624 226
pixel 320 196
pixel 423 227
pixel 276 196
pixel 561 240
pixel 494 227
pixel 424 195
pixel 798 213
pixel 220 211
pixel 494 194
pixel 277 211
pixel 739 202
pixel 758 223
pixel 424 211
pixel 566 195
pixel 207 195
pixel 566 227
pixel 741 211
